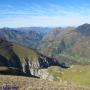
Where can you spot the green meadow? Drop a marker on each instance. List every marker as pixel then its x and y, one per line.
pixel 77 74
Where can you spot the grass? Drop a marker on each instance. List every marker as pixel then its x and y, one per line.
pixel 28 83
pixel 56 72
pixel 2 68
pixel 78 74
pixel 75 59
pixel 23 52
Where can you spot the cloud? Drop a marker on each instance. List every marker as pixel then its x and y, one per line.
pixel 45 21
pixel 50 15
pixel 39 10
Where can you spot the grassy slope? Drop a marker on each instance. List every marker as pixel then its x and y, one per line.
pixel 7 50
pixel 19 50
pixel 27 83
pixel 77 46
pixel 77 74
pixel 23 52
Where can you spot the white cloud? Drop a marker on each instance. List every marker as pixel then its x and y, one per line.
pixel 52 15
pixel 45 21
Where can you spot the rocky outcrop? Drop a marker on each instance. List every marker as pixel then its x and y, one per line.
pixel 45 61
pixel 34 68
pixel 16 57
pixel 43 74
pixel 30 68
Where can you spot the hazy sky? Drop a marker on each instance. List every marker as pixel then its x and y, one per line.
pixel 51 13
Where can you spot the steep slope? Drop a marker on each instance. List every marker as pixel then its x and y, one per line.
pixel 67 44
pixel 53 39
pixel 22 36
pixel 84 29
pixel 27 36
pixel 72 45
pixel 18 57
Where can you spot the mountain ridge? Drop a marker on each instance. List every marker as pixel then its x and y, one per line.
pixel 23 59
pixel 59 42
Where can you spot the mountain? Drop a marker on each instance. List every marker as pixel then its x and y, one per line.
pixel 84 29
pixel 28 36
pixel 68 45
pixel 54 52
pixel 36 29
pixel 16 59
pixel 19 60
pixel 71 45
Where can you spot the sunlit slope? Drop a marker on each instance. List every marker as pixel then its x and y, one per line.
pixel 23 52
pixel 73 44
pixel 27 83
pixel 13 55
pixel 77 74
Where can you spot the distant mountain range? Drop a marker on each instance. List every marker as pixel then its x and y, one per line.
pixel 71 44
pixel 25 36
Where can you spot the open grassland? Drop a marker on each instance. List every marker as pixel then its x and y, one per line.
pixel 78 74
pixel 27 83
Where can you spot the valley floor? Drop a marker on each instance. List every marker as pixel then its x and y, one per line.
pixel 28 83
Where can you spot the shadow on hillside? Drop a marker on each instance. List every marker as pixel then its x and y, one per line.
pixel 12 66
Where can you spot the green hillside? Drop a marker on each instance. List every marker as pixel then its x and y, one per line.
pixel 78 74
pixel 7 50
pixel 23 52
pixel 13 55
pixel 69 44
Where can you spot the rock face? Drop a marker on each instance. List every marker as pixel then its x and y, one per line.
pixel 23 59
pixel 37 68
pixel 34 69
pixel 45 62
pixel 30 68
pixel 43 74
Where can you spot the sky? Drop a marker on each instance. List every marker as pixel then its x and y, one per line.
pixel 44 13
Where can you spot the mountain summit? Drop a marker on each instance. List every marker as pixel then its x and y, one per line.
pixel 84 29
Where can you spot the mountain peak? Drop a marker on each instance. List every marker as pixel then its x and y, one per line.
pixel 84 29
pixel 84 25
